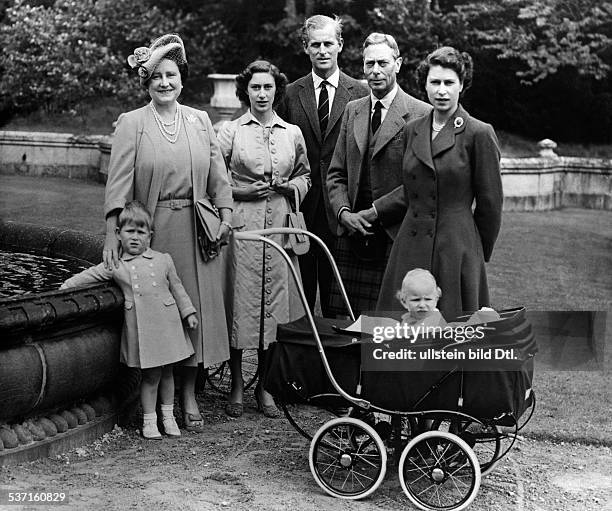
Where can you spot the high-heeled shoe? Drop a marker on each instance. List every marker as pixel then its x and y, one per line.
pixel 270 411
pixel 234 409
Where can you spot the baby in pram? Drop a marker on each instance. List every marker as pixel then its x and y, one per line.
pixel 419 295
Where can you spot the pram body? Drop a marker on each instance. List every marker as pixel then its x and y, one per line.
pixel 445 416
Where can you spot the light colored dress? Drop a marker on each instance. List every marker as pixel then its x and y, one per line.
pixel 146 167
pixel 261 291
pixel 155 301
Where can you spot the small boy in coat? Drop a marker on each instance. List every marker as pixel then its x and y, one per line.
pixel 153 336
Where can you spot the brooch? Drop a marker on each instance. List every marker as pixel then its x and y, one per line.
pixel 191 118
pixel 458 122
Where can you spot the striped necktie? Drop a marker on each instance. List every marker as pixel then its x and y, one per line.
pixel 323 109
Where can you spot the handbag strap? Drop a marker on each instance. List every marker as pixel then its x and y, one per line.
pixel 296 198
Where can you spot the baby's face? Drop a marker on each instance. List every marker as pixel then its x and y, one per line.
pixel 420 296
pixel 135 239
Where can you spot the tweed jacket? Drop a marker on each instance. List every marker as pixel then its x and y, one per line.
pixel 155 301
pixel 299 107
pixel 344 174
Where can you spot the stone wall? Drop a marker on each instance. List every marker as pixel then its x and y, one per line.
pixel 53 154
pixel 530 184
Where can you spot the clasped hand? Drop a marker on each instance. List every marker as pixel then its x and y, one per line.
pixel 261 190
pixel 360 222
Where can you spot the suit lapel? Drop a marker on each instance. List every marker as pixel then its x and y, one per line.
pixel 446 138
pixel 361 125
pixel 421 143
pixel 307 98
pixel 191 139
pixel 341 98
pixel 393 123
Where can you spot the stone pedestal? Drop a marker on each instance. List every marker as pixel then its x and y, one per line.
pixel 224 99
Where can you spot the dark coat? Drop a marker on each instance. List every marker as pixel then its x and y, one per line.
pixel 442 178
pixel 344 172
pixel 299 107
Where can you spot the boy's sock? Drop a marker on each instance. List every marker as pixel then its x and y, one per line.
pixel 170 426
pixel 149 426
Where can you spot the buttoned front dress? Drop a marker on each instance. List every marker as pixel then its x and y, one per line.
pixel 155 302
pixel 453 190
pixel 260 289
pixel 147 167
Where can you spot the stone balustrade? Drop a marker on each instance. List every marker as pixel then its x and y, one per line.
pixel 530 184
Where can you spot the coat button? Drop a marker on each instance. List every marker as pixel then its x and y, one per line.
pixel 154 284
pixel 430 233
pixel 268 302
pixel 133 267
pixel 268 315
pixel 270 222
pixel 135 276
pixel 273 150
pixel 136 286
pixel 269 210
pixel 413 233
pixel 152 274
pixel 272 141
pixel 268 280
pixel 268 257
pixel 269 268
pixel 268 291
pixel 269 199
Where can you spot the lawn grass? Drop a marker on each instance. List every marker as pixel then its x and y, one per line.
pixel 97 118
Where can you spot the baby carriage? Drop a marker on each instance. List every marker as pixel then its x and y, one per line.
pixel 452 417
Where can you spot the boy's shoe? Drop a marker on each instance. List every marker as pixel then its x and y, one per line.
pixel 170 426
pixel 150 431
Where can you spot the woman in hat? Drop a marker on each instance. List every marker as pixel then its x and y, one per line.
pixel 166 155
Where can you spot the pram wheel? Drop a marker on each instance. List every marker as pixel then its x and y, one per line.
pixel 219 376
pixel 438 470
pixel 484 440
pixel 347 458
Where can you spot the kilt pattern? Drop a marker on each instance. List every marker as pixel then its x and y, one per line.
pixel 362 279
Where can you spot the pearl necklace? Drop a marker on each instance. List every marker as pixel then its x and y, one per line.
pixel 437 127
pixel 169 135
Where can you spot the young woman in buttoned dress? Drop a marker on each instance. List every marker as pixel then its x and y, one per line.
pixel 266 159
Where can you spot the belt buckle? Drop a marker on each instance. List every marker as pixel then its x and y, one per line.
pixel 174 204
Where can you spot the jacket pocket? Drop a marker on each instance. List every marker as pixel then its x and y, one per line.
pixel 169 301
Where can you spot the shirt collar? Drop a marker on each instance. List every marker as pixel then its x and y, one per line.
pixel 148 253
pixel 249 118
pixel 386 100
pixel 334 79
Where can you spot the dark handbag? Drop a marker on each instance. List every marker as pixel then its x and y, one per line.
pixel 207 226
pixel 298 244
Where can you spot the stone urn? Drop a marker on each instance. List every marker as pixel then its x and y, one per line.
pixel 224 99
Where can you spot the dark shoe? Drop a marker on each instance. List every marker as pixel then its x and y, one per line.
pixel 234 409
pixel 193 422
pixel 270 411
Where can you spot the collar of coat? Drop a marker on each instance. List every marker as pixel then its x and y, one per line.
pixel 248 118
pixel 148 253
pixel 426 149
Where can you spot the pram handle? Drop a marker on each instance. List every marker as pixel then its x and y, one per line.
pixel 260 235
pixel 292 230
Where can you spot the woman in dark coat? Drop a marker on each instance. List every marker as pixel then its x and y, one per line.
pixel 453 190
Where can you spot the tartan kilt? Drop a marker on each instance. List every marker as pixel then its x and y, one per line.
pixel 361 279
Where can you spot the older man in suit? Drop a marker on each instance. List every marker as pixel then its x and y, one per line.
pixel 364 179
pixel 315 103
